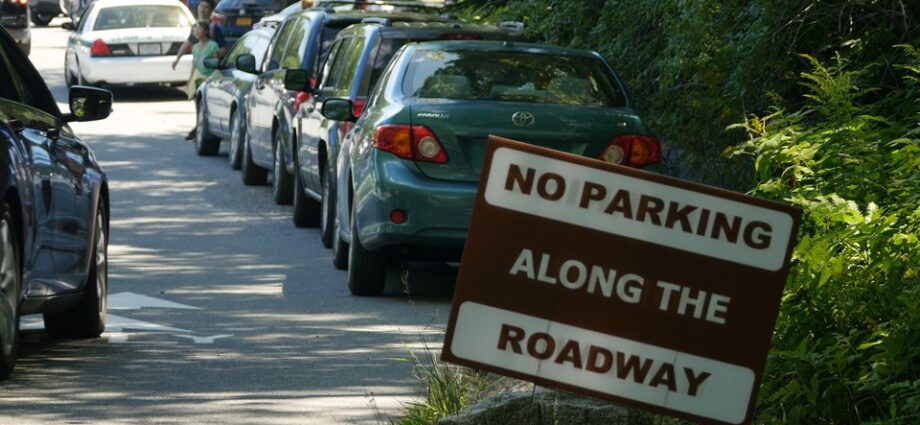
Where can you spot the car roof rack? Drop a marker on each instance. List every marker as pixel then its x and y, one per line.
pixel 512 25
pixel 384 22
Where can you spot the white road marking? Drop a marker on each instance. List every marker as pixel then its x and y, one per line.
pixel 132 301
pixel 118 329
pixel 203 339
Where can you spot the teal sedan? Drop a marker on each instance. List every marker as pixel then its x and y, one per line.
pixel 410 167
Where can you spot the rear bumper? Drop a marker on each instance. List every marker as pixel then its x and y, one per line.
pixel 438 211
pixel 136 70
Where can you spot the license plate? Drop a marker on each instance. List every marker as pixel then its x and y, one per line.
pixel 244 22
pixel 149 49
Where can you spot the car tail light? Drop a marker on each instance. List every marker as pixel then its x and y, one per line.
pixel 358 106
pixel 398 216
pixel 299 99
pixel 415 142
pixel 218 18
pixel 23 2
pixel 632 150
pixel 99 48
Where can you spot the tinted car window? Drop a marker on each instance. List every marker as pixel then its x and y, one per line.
pixel 384 52
pixel 152 16
pixel 22 82
pixel 15 90
pixel 341 76
pixel 326 40
pixel 511 76
pixel 279 43
pixel 293 55
pixel 252 43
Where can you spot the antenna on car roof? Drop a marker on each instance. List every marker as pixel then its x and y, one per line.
pixel 512 25
pixel 404 3
pixel 384 22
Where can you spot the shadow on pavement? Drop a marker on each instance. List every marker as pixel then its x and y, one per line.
pixel 302 350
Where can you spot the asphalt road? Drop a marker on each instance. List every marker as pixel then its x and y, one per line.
pixel 221 311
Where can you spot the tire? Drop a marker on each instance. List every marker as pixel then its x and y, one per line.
pixel 86 319
pixel 327 208
pixel 205 143
pixel 339 248
pixel 10 285
pixel 366 269
pixel 236 139
pixel 41 20
pixel 282 186
pixel 253 175
pixel 306 209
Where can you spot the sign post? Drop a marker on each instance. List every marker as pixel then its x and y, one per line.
pixel 619 284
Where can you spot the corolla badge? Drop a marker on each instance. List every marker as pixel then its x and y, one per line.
pixel 522 119
pixel 434 115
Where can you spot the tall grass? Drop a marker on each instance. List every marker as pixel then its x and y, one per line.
pixel 446 388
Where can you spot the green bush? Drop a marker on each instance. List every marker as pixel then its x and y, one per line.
pixel 845 349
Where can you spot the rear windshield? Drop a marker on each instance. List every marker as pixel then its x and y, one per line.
pixel 511 76
pixel 153 16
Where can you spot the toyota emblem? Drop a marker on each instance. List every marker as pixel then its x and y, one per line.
pixel 522 119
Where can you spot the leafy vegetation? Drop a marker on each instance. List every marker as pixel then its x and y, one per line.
pixel 827 94
pixel 845 348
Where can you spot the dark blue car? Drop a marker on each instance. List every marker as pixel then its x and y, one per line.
pixel 236 17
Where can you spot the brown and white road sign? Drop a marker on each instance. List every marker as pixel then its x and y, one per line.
pixel 620 284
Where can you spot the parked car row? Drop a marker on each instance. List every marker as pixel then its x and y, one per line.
pixel 54 208
pixel 377 132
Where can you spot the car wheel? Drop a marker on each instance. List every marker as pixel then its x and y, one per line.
pixel 366 269
pixel 327 208
pixel 236 136
pixel 41 20
pixel 205 143
pixel 339 248
pixel 306 210
pixel 253 175
pixel 86 319
pixel 10 282
pixel 281 179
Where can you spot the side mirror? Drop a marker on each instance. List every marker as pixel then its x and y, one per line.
pixel 246 63
pixel 297 80
pixel 68 26
pixel 212 63
pixel 89 104
pixel 338 110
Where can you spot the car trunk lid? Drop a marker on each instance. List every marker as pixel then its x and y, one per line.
pixel 463 127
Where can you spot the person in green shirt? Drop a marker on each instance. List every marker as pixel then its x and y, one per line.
pixel 203 49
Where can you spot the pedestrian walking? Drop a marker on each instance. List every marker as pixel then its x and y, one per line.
pixel 214 32
pixel 203 49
